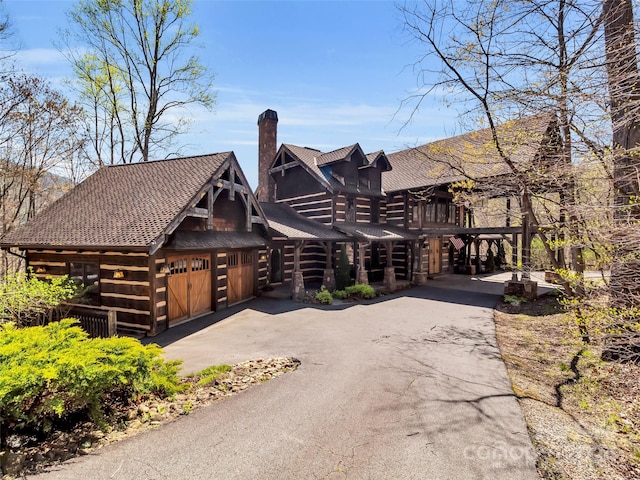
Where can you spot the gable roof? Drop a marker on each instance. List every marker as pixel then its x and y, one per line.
pixel 128 206
pixel 337 155
pixel 471 155
pixel 318 165
pixel 374 157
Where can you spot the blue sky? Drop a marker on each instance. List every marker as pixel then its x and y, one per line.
pixel 335 71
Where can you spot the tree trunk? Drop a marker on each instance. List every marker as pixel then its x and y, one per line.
pixel 623 344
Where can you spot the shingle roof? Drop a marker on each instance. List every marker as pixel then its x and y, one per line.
pixel 472 155
pixel 336 155
pixel 375 232
pixel 285 221
pixel 189 240
pixel 308 156
pixel 120 206
pixel 311 160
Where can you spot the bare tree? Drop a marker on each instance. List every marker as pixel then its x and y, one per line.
pixel 38 132
pixel 504 60
pixel 137 71
pixel 623 81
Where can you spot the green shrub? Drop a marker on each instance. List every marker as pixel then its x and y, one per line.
pixel 339 294
pixel 211 374
pixel 343 269
pixel 51 373
pixel 514 299
pixel 355 291
pixel 324 296
pixel 360 290
pixel 25 299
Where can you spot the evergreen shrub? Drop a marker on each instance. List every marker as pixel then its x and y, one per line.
pixel 324 296
pixel 343 269
pixel 53 373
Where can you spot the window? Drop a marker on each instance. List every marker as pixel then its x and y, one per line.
pixel 375 210
pixel 87 274
pixel 429 212
pixel 443 210
pixel 351 209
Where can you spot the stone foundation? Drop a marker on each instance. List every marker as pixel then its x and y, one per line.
pixel 329 279
pixel 420 278
pixel 297 286
pixel 362 276
pixel 523 288
pixel 390 279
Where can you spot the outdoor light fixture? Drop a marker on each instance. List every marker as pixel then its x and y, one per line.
pixel 164 268
pixel 118 274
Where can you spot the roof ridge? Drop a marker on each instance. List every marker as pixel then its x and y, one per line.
pixel 479 131
pixel 151 162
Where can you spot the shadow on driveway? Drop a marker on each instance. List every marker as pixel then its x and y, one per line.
pixel 275 306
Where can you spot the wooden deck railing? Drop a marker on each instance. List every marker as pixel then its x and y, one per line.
pixel 97 323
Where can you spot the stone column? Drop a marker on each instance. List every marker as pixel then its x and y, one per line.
pixel 297 280
pixel 362 275
pixel 329 274
pixel 419 276
pixel 329 279
pixel 390 279
pixel 297 286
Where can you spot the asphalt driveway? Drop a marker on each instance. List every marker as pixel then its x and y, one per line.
pixel 408 387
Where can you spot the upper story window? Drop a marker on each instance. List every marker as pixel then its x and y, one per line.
pixel 443 210
pixel 351 209
pixel 87 274
pixel 375 210
pixel 428 212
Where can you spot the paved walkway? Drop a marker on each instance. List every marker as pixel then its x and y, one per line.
pixel 411 386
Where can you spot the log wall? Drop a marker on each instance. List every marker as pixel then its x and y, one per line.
pixel 130 296
pixel 316 206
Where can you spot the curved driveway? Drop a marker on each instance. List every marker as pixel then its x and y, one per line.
pixel 411 386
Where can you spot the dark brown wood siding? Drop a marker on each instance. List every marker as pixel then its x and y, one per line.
pixel 263 260
pixel 395 209
pixel 221 279
pixel 317 206
pixel 130 297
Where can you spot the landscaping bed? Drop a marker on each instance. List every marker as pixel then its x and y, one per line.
pixel 583 414
pixel 29 454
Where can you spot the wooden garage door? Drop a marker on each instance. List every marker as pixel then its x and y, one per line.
pixel 435 255
pixel 188 286
pixel 240 276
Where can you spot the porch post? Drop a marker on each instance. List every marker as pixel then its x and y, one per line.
pixel 526 248
pixel 361 274
pixel 389 271
pixel 297 280
pixel 419 276
pixel 329 275
pixel 514 258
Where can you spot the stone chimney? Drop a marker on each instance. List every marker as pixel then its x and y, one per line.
pixel 267 148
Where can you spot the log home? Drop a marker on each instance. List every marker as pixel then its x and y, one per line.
pixel 158 242
pixel 341 190
pixel 397 210
pixel 419 189
pixel 163 242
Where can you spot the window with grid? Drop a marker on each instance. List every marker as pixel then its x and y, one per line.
pixel 87 275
